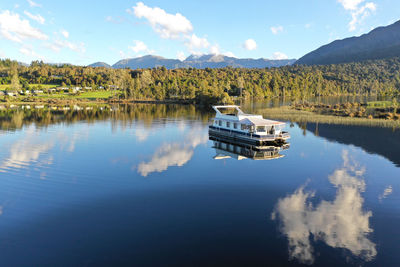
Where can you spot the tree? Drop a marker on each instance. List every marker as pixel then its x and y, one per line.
pixel 14 76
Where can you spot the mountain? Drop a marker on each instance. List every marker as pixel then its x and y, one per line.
pixel 202 61
pixel 380 43
pixel 100 64
pixel 148 61
pixel 221 61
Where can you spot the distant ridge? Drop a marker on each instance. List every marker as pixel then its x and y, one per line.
pixel 100 64
pixel 194 61
pixel 380 43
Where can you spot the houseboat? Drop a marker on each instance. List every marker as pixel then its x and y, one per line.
pixel 225 149
pixel 239 126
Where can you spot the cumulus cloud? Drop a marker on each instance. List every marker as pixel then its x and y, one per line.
pixel 276 29
pixel 358 11
pixel 166 25
pixel 16 29
pixel 65 33
pixel 279 55
pixel 57 45
pixel 340 223
pixel 27 50
pixel 38 18
pixel 174 154
pixel 140 47
pixel 250 44
pixel 195 43
pixel 181 56
pixel 34 4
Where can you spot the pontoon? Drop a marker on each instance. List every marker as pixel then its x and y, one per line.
pixel 238 150
pixel 250 128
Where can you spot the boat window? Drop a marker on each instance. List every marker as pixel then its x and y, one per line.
pixel 235 125
pixel 245 127
pixel 260 128
pixel 228 124
pixel 220 123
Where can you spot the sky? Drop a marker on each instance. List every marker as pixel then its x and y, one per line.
pixel 84 32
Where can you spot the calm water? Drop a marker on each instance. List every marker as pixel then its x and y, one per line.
pixel 145 186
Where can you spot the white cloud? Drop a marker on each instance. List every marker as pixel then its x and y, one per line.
pixel 276 29
pixel 13 28
pixel 167 25
pixel 195 43
pixel 181 56
pixel 215 50
pixel 250 44
pixel 37 17
pixel 140 47
pixel 279 55
pixel 350 4
pixel 57 45
pixel 358 11
pixel 229 54
pixel 340 223
pixel 65 33
pixel 308 25
pixel 28 51
pixel 33 4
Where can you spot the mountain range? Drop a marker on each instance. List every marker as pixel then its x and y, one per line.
pixel 380 43
pixel 193 61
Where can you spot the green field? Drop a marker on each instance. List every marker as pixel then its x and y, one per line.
pixel 380 104
pixel 84 95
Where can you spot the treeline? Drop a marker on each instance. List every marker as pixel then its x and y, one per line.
pixel 378 77
pixel 121 116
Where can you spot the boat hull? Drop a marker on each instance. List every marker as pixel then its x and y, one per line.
pixel 252 139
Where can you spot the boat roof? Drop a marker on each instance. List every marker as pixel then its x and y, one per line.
pixel 260 121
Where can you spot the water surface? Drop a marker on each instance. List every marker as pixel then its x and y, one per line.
pixel 144 185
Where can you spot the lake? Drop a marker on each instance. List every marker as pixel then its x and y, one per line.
pixel 143 185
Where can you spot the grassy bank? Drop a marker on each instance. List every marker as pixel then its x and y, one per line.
pixel 301 116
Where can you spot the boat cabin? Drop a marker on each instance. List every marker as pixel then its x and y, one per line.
pixel 239 121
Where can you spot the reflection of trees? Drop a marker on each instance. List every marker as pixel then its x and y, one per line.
pixel 16 118
pixel 340 223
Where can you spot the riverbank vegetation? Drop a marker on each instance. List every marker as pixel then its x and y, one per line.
pixel 204 86
pixel 371 110
pixel 304 116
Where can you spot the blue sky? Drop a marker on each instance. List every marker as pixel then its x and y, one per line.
pixel 83 32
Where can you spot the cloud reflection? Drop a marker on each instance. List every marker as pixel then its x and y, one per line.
pixel 34 148
pixel 340 223
pixel 173 154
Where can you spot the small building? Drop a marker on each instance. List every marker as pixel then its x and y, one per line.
pixel 11 93
pixel 2 93
pixel 38 91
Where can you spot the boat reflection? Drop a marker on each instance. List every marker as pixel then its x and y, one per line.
pixel 225 148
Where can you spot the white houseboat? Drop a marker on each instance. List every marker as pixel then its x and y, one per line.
pixel 250 128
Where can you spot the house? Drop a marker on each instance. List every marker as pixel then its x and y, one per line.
pixel 2 93
pixel 11 93
pixel 88 88
pixel 38 91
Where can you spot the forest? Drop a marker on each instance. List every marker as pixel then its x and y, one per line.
pixel 376 77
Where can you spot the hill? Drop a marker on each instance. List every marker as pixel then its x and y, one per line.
pixel 200 62
pixel 100 64
pixel 380 43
